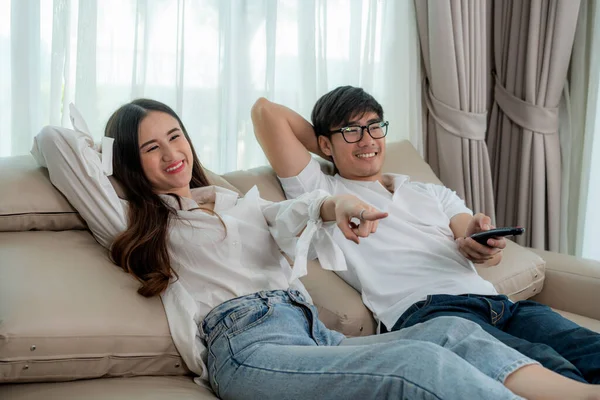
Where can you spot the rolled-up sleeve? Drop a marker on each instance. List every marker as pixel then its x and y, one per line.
pixel 77 170
pixel 298 229
pixel 449 200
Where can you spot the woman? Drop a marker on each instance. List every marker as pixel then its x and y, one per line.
pixel 215 260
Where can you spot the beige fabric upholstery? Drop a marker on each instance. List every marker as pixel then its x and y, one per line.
pixel 520 274
pixel 263 177
pixel 146 388
pixel 402 158
pixel 340 306
pixel 571 284
pixel 61 294
pixel 29 201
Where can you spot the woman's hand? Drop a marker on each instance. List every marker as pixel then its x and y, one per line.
pixel 489 254
pixel 344 209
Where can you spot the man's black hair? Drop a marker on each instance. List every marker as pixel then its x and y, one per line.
pixel 338 107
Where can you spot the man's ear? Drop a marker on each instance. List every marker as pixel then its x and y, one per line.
pixel 325 145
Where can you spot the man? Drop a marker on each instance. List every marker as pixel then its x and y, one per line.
pixel 419 265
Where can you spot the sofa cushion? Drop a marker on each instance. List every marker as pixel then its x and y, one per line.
pixel 138 388
pixel 28 201
pixel 339 304
pixel 520 274
pixel 263 177
pixel 73 314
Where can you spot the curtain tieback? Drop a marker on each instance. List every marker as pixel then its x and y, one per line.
pixel 466 125
pixel 525 114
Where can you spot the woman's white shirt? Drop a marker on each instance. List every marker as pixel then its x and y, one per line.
pixel 214 264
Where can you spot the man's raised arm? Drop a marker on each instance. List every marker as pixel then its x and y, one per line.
pixel 285 137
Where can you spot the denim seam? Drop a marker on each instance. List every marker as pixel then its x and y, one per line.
pixel 502 374
pixel 493 314
pixel 213 375
pixel 339 373
pixel 498 316
pixel 427 302
pixel 408 319
pixel 215 333
pixel 501 312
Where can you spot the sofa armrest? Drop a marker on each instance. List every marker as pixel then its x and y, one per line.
pixel 572 284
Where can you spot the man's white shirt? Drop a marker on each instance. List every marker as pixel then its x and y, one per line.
pixel 412 254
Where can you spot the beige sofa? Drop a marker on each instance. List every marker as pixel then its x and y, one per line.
pixel 68 316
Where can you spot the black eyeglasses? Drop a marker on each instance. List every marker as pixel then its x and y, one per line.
pixel 354 133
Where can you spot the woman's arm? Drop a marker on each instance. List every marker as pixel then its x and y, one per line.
pixel 75 168
pixel 306 215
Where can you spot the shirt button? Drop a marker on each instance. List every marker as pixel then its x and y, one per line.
pixel 235 243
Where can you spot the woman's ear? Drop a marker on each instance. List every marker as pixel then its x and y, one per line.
pixel 325 145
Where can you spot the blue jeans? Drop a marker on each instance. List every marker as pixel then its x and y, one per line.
pixel 529 327
pixel 271 345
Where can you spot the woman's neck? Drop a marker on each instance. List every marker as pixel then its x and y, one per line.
pixel 181 192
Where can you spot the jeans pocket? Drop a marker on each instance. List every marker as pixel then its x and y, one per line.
pixel 247 330
pixel 248 318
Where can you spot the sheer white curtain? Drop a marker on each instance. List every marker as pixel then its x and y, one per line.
pixel 208 59
pixel 580 140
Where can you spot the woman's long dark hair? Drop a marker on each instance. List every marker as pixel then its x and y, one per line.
pixel 142 250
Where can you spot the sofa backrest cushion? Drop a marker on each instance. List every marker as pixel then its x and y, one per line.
pixel 29 201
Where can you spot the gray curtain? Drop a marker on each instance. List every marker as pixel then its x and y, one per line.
pixel 453 36
pixel 533 40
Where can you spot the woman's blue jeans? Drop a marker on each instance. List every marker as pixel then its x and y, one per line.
pixel 529 327
pixel 271 345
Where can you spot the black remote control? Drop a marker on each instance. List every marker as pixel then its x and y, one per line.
pixel 482 237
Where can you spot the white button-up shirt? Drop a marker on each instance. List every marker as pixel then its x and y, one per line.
pixel 412 254
pixel 214 264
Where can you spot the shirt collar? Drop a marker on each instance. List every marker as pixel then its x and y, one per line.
pixel 223 198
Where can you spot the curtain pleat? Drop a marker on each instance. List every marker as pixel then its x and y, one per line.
pixel 533 43
pixel 455 56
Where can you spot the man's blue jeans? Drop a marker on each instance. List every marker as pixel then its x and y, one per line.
pixel 271 345
pixel 529 327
